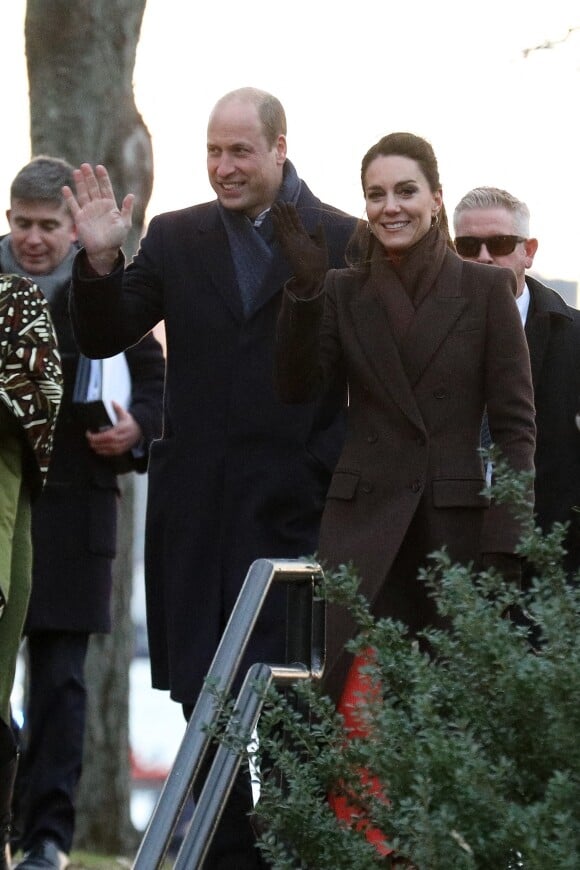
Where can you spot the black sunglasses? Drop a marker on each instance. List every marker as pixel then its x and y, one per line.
pixel 498 246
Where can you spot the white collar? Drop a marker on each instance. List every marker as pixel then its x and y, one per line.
pixel 258 221
pixel 523 302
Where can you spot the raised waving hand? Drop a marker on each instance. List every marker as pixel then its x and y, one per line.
pixel 101 226
pixel 307 255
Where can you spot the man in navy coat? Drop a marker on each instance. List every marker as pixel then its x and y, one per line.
pixel 237 474
pixel 74 524
pixel 493 226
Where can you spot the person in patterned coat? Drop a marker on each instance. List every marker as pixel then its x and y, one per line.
pixel 30 395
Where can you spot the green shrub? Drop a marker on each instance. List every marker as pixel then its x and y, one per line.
pixel 477 745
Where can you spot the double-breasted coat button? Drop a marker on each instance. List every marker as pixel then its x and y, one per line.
pixel 372 438
pixel 440 393
pixel 366 486
pixel 416 486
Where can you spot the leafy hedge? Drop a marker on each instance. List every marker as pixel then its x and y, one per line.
pixel 476 745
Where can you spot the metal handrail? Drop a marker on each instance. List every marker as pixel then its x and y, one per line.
pixel 219 781
pixel 305 646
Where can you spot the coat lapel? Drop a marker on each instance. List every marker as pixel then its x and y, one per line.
pixel 373 331
pixel 214 253
pixel 401 369
pixel 433 320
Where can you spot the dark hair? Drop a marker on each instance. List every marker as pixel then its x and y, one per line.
pixel 42 179
pixel 401 145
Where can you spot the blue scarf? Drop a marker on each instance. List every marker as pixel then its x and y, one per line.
pixel 252 246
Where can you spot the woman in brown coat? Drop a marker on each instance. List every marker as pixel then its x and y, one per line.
pixel 425 342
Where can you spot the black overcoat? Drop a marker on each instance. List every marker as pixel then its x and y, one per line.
pixel 237 475
pixel 553 334
pixel 74 522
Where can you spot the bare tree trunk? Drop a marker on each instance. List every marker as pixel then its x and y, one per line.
pixel 80 59
pixel 103 801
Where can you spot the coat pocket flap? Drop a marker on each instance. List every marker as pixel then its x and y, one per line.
pixel 460 493
pixel 343 485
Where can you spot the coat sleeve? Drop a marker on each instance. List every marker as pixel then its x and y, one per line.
pixel 147 366
pixel 111 313
pixel 106 320
pixel 31 384
pixel 308 355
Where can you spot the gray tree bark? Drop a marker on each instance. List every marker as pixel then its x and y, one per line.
pixel 80 60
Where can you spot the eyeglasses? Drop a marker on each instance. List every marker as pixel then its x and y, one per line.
pixel 498 246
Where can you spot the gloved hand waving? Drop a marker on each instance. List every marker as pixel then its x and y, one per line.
pixel 308 255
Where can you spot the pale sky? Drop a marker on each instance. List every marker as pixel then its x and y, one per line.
pixel 349 72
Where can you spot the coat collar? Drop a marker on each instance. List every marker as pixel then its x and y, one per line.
pixel 401 370
pixel 215 254
pixel 546 300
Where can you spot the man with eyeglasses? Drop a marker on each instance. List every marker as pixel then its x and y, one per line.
pixel 492 226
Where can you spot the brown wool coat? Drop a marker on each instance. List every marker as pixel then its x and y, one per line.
pixel 410 477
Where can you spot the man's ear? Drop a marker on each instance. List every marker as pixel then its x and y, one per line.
pixel 281 148
pixel 530 247
pixel 8 213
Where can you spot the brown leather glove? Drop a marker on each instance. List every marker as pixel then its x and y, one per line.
pixel 307 255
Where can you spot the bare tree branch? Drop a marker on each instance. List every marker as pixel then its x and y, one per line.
pixel 551 43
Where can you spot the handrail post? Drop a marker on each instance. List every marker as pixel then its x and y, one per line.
pixel 223 669
pixel 226 763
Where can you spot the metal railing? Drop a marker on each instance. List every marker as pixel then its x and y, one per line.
pixel 305 647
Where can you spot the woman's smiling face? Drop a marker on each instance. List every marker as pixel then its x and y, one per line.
pixel 400 205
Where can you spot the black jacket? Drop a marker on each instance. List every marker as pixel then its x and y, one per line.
pixel 553 334
pixel 237 475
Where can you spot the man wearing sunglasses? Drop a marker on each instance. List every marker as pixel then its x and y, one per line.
pixel 492 226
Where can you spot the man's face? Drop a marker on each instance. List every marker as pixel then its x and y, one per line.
pixel 482 223
pixel 244 170
pixel 41 234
